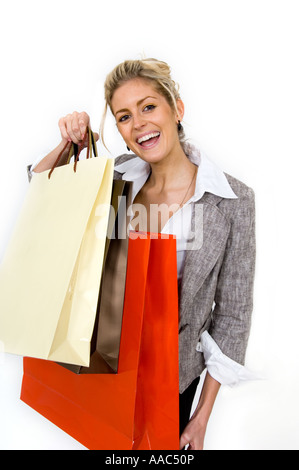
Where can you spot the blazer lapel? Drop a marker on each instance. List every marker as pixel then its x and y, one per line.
pixel 199 263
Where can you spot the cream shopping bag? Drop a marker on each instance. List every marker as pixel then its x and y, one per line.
pixel 51 272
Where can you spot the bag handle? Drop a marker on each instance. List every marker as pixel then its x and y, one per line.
pixel 76 149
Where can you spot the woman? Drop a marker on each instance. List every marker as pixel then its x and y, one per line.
pixel 215 273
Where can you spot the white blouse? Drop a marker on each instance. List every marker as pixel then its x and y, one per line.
pixel 209 179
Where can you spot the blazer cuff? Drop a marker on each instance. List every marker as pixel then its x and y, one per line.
pixel 221 367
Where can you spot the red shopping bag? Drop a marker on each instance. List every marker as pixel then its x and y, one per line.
pixel 138 407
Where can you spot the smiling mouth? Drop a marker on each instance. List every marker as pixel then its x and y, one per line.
pixel 149 140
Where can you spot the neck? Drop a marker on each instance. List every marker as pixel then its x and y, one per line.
pixel 171 171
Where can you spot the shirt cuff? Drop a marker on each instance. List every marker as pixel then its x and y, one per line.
pixel 31 167
pixel 221 367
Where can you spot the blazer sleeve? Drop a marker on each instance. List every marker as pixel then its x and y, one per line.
pixel 231 316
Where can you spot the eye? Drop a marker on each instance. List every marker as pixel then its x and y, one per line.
pixel 124 118
pixel 149 107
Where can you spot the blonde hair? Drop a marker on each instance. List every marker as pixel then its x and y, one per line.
pixel 154 70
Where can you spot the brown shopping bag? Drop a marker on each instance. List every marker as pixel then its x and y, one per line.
pixel 105 341
pixel 52 268
pixel 136 408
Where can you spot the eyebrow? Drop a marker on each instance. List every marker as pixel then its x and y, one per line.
pixel 138 104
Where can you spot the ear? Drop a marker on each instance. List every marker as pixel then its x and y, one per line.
pixel 181 110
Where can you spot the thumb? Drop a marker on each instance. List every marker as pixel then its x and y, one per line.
pixel 96 136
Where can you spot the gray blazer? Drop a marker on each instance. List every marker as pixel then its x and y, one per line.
pixel 217 284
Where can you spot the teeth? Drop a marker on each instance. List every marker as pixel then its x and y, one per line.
pixel 147 137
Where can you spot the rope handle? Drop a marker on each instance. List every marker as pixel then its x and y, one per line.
pixel 76 149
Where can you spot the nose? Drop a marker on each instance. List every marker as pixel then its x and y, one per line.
pixel 138 121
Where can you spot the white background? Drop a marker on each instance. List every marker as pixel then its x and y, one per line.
pixel 237 64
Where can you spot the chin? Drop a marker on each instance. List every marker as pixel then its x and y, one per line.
pixel 151 156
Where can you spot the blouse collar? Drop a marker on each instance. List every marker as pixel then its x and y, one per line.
pixel 210 178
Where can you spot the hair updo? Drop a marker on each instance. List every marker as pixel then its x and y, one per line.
pixel 158 72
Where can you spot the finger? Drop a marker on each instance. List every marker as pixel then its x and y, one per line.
pixel 68 120
pixel 75 127
pixel 83 120
pixel 70 128
pixel 62 128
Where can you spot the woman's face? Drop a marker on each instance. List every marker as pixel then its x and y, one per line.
pixel 146 121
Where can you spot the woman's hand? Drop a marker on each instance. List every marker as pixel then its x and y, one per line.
pixel 73 128
pixel 194 434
